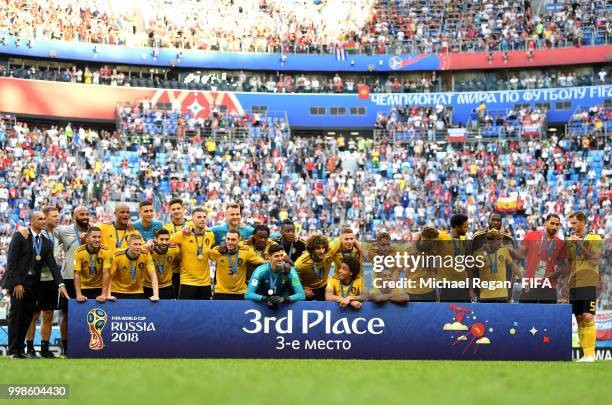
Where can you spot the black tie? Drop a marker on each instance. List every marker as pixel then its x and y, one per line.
pixel 37 240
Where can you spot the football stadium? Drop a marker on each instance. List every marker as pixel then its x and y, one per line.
pixel 216 201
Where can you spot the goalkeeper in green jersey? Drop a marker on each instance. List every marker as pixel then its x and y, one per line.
pixel 275 282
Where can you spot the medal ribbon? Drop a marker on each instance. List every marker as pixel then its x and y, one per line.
pixel 348 291
pixel 233 266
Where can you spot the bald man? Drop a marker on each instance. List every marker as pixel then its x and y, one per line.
pixel 71 237
pixel 25 260
pixel 114 235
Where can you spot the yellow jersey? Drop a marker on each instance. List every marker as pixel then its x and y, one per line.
pixel 231 277
pixel 583 272
pixel 494 272
pixel 195 270
pixel 170 227
pixel 354 288
pixel 115 239
pixel 90 266
pixel 314 275
pixel 164 267
pixel 127 275
pixel 449 246
pixel 340 254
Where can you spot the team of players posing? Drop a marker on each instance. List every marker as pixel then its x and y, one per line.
pixel 150 259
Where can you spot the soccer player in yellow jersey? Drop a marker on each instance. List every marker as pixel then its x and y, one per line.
pixel 195 244
pixel 127 271
pixel 177 223
pixel 454 244
pixel 584 251
pixel 163 260
pixel 314 265
pixel 347 248
pixel 232 259
pixel 347 287
pixel 92 266
pixel 114 235
pixel 498 264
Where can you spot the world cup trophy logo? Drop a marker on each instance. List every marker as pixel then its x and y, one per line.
pixel 96 319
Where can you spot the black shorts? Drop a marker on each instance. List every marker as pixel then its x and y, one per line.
pixel 319 294
pixel 454 295
pixel 123 296
pixel 47 296
pixel 176 283
pixel 165 293
pixel 540 295
pixel 494 300
pixel 425 297
pixel 91 293
pixel 583 300
pixel 193 292
pixel 227 297
pixel 69 283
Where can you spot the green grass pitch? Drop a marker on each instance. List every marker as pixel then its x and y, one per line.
pixel 346 382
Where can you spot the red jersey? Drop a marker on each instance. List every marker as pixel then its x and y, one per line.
pixel 540 252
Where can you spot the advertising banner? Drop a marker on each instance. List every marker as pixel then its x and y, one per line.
pixel 242 329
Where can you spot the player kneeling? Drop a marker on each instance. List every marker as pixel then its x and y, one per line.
pixel 275 282
pixel 347 288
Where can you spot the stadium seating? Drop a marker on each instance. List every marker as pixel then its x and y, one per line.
pixel 382 26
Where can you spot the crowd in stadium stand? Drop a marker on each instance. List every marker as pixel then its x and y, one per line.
pixel 320 183
pixel 308 83
pixel 142 119
pixel 397 26
pixel 595 119
pixel 414 122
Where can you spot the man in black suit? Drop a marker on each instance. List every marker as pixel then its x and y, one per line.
pixel 25 258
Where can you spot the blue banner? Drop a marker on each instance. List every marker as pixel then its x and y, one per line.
pixel 241 329
pixel 197 59
pixel 561 103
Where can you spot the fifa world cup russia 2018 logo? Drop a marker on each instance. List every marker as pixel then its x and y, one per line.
pixel 96 319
